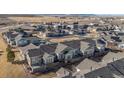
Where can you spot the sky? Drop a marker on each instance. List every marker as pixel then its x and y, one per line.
pixel 62 7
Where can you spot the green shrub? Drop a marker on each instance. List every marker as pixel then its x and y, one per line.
pixel 10 55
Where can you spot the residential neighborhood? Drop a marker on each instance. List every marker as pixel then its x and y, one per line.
pixel 71 47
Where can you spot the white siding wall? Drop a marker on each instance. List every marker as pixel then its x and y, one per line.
pixel 60 56
pixel 29 60
pixel 49 60
pixel 89 52
pixel 68 56
pixel 35 60
pixel 121 46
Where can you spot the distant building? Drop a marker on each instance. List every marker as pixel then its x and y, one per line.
pixel 75 25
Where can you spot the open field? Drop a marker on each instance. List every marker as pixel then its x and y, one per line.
pixel 38 19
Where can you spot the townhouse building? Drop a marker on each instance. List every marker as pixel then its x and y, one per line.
pixel 65 52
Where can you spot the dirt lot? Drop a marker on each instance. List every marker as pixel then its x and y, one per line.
pixel 62 39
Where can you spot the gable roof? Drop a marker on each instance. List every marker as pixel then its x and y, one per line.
pixel 26 48
pixel 73 44
pixel 107 38
pixel 11 34
pixel 60 47
pixel 50 48
pixel 111 56
pixel 43 50
pixel 46 55
pixel 85 45
pixel 87 65
pixel 114 69
pixel 102 72
pixel 119 65
pixel 62 72
pixel 18 37
pixel 91 42
pixel 35 52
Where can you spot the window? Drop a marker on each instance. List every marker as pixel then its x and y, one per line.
pixel 61 56
pixel 68 57
pixel 36 60
pixel 50 60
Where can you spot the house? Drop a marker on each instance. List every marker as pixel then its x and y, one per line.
pixel 70 27
pixel 100 73
pixel 21 42
pixel 115 41
pixel 60 51
pixel 73 49
pixel 10 37
pixel 49 53
pixel 87 65
pixel 28 27
pixel 24 49
pixel 118 66
pixel 75 25
pixel 34 59
pixel 65 52
pixel 87 47
pixel 120 43
pixel 41 56
pixel 45 54
pixel 112 56
pixel 101 47
pixel 112 70
pixel 107 38
pixel 15 39
pixel 84 47
pixel 62 73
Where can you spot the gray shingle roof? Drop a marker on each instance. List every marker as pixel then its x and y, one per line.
pixel 43 49
pixel 85 45
pixel 57 48
pixel 60 47
pixel 114 69
pixel 90 41
pixel 119 65
pixel 107 38
pixel 73 44
pixel 50 48
pixel 62 72
pixel 87 65
pixel 102 72
pixel 27 27
pixel 11 34
pixel 26 48
pixel 35 52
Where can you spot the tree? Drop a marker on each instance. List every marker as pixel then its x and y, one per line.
pixel 8 48
pixel 50 28
pixel 10 54
pixel 19 30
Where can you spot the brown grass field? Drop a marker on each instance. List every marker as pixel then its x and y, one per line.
pixel 51 19
pixel 7 69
